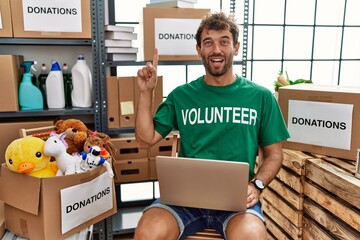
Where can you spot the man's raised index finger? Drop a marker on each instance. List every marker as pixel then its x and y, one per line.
pixel 155 58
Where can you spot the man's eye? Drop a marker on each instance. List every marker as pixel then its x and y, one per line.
pixel 208 43
pixel 225 43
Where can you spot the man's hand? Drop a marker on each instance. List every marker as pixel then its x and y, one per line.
pixel 253 195
pixel 147 76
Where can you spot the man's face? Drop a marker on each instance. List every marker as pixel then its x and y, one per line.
pixel 217 51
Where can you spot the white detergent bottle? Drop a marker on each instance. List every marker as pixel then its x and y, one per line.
pixel 55 87
pixel 81 95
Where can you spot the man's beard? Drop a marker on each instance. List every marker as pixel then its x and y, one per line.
pixel 216 72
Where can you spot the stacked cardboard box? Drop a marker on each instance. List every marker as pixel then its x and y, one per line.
pixel 134 164
pixel 122 99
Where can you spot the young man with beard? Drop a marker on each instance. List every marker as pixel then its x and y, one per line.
pixel 219 116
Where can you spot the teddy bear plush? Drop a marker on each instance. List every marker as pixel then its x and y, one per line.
pixel 76 134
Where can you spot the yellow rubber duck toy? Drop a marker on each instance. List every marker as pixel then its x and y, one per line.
pixel 26 155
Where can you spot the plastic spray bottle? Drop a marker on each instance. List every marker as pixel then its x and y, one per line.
pixel 68 86
pixel 81 95
pixel 30 97
pixel 55 87
pixel 42 82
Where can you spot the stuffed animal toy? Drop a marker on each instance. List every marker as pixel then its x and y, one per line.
pixel 102 140
pixel 93 159
pixel 56 146
pixel 26 155
pixel 76 134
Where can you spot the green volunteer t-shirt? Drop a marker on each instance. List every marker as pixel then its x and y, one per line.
pixel 224 123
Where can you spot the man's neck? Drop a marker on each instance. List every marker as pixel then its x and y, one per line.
pixel 223 80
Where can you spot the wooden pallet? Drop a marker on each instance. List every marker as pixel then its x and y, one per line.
pixel 283 199
pixel 333 197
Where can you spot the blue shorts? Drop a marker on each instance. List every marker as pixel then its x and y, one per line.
pixel 192 220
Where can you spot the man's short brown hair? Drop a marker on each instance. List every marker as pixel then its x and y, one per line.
pixel 218 21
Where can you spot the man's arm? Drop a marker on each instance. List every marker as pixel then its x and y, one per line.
pixel 270 166
pixel 145 133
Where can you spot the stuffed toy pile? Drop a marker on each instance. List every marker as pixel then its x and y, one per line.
pixel 27 155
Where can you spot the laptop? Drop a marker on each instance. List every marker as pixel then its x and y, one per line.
pixel 203 183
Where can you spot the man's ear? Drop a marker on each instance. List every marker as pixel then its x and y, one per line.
pixel 198 50
pixel 236 48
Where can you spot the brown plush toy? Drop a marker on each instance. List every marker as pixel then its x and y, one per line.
pixel 76 134
pixel 101 140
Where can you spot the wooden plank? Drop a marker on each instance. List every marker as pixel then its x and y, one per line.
pixel 311 231
pixel 341 209
pixel 291 180
pixel 207 234
pixel 334 180
pixel 329 222
pixel 274 229
pixel 290 213
pixel 295 160
pixel 281 220
pixel 292 197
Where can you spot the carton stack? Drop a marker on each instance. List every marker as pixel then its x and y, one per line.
pixel 134 164
pixel 122 97
pixel 118 43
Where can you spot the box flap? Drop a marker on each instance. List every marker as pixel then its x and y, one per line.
pixel 13 185
pixel 321 88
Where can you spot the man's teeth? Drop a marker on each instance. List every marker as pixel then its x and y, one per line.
pixel 216 60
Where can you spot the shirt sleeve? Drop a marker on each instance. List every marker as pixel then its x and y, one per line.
pixel 273 128
pixel 164 119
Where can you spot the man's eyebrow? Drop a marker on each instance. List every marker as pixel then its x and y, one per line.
pixel 222 37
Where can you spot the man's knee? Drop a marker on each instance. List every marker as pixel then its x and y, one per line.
pixel 157 224
pixel 246 226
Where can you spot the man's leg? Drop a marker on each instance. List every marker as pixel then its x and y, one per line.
pixel 245 226
pixel 157 224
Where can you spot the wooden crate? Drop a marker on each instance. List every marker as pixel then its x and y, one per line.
pixel 283 199
pixel 332 203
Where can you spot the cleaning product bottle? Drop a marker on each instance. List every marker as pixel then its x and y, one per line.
pixel 67 85
pixel 81 95
pixel 55 87
pixel 30 97
pixel 42 82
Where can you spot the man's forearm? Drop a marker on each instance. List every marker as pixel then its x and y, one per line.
pixel 144 127
pixel 271 164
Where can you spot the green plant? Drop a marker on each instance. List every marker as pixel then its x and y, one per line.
pixel 285 81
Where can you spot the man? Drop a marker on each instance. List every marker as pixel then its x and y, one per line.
pixel 219 116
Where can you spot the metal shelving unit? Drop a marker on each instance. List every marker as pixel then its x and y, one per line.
pixel 93 111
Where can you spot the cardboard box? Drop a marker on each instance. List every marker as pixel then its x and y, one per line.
pixel 126 100
pixel 133 170
pixel 162 23
pixel 10 80
pixel 322 119
pixel 56 207
pixel 152 169
pixel 127 149
pixel 112 102
pixel 5 14
pixel 10 132
pixel 2 219
pixel 56 17
pixel 162 148
pixel 122 100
